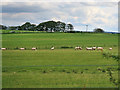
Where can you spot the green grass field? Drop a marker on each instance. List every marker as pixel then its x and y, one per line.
pixel 45 68
pixel 46 40
pixel 17 31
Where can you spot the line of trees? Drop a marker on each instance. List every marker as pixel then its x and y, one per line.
pixel 48 26
pixel 3 27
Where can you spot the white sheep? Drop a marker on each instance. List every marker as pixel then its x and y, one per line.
pixel 78 48
pixel 34 48
pixel 22 48
pixel 52 48
pixel 100 48
pixel 3 48
pixel 94 48
pixel 110 48
pixel 89 48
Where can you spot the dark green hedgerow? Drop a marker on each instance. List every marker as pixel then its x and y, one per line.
pixel 109 55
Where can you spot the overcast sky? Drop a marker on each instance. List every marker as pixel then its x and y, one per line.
pixel 95 15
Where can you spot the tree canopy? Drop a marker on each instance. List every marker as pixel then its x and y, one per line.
pixel 48 26
pixel 98 30
pixel 3 27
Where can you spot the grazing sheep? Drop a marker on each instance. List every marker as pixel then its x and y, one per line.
pixel 94 48
pixel 52 48
pixel 22 48
pixel 34 48
pixel 110 48
pixel 90 48
pixel 3 48
pixel 78 48
pixel 100 48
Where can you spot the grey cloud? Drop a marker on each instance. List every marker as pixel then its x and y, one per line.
pixel 97 4
pixel 39 12
pixel 21 8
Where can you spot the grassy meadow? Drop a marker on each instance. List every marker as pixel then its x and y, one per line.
pixel 16 31
pixel 62 67
pixel 58 40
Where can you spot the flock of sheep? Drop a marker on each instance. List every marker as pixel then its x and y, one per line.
pixel 87 48
pixel 91 48
pixel 20 48
pixel 76 48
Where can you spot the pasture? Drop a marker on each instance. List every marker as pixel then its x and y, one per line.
pixel 58 40
pixel 16 31
pixel 62 67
